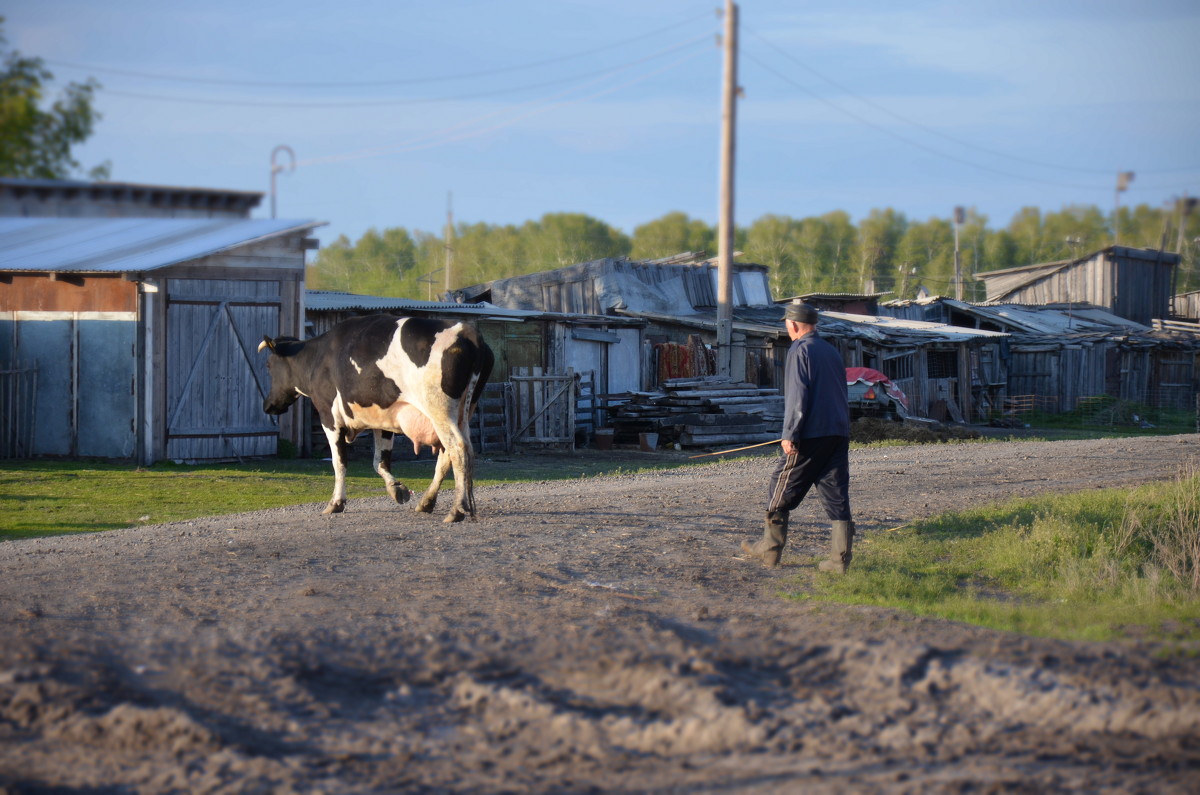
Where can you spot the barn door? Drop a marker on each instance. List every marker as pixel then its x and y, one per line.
pixel 542 408
pixel 215 379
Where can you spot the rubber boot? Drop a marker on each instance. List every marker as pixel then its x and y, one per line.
pixel 769 548
pixel 842 540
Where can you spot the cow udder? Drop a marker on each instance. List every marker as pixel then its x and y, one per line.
pixel 417 427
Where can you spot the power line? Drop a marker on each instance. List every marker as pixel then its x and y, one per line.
pixel 946 136
pixel 375 83
pixel 432 139
pixel 918 145
pixel 410 101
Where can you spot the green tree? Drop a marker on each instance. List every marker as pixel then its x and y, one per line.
pixel 925 256
pixel 561 239
pixel 378 264
pixel 674 233
pixel 772 240
pixel 36 143
pixel 878 235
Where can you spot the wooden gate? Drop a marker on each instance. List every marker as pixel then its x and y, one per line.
pixel 215 379
pixel 542 408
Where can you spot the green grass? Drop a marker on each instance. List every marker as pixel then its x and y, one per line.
pixel 1096 565
pixel 40 498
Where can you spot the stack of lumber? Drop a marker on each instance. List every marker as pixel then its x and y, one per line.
pixel 701 412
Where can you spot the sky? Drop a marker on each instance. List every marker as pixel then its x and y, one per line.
pixel 400 112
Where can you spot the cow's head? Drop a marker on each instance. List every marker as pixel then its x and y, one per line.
pixel 284 391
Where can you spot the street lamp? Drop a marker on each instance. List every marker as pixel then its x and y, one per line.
pixel 1123 180
pixel 276 168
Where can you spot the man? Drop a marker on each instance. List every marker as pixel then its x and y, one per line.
pixel 815 444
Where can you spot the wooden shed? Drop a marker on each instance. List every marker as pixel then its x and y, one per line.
pixel 1062 354
pixel 1133 283
pixel 1187 306
pixel 142 333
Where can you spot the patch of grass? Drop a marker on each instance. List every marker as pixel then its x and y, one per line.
pixel 1096 565
pixel 40 498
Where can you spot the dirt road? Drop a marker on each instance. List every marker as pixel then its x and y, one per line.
pixel 581 636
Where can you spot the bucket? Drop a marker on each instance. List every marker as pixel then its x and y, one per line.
pixel 648 441
pixel 604 438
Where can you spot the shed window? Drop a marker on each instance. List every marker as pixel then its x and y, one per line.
pixel 898 367
pixel 943 364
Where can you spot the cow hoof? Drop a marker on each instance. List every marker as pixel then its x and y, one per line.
pixel 335 507
pixel 400 493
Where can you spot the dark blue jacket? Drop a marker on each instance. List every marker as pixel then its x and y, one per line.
pixel 814 391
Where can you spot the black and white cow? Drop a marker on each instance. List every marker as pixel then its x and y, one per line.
pixel 416 376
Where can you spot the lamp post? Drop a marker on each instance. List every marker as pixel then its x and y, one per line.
pixel 276 168
pixel 1123 180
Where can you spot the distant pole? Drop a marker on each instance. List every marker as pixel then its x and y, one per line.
pixel 1123 180
pixel 725 225
pixel 449 283
pixel 960 215
pixel 276 168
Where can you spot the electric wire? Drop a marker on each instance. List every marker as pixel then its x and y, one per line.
pixel 923 147
pixel 439 136
pixel 409 101
pixel 939 133
pixel 377 83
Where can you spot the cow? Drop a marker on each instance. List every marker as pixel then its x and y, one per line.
pixel 417 376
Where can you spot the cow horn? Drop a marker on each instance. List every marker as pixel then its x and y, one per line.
pixel 266 343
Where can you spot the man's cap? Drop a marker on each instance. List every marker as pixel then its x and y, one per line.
pixel 801 312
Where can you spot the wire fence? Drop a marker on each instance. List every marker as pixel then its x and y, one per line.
pixel 1161 411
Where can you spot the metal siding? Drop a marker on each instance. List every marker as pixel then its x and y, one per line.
pixel 107 409
pixel 51 343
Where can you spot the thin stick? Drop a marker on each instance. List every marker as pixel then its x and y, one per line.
pixel 737 449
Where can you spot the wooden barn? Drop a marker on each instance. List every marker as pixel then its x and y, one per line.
pixel 1133 283
pixel 135 337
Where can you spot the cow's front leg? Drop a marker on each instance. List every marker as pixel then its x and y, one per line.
pixel 383 465
pixel 339 450
pixel 440 469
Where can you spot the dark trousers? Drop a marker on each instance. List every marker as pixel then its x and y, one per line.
pixel 825 462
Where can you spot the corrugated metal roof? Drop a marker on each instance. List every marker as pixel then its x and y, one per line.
pixel 769 321
pixel 333 301
pixel 126 245
pixel 1056 319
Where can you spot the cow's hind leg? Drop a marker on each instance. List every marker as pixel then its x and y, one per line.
pixel 339 450
pixel 383 465
pixel 459 455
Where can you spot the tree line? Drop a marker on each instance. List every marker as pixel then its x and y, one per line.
pixel 884 252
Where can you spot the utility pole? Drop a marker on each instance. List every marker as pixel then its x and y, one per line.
pixel 449 266
pixel 960 215
pixel 725 225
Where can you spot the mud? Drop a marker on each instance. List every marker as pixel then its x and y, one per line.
pixel 581 636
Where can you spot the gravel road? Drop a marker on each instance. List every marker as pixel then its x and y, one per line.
pixel 580 636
